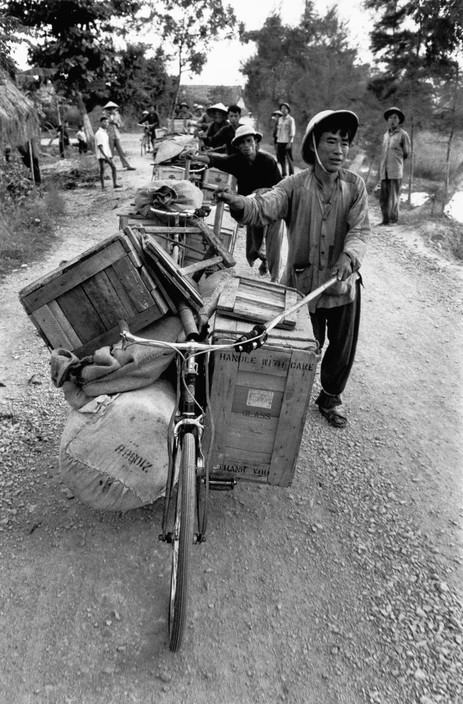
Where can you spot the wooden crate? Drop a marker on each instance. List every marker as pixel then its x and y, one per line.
pixel 164 172
pixel 259 402
pixel 78 306
pixel 215 177
pixel 257 301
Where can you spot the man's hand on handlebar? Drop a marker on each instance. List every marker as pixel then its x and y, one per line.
pixel 223 194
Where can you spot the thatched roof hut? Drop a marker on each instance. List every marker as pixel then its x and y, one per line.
pixel 19 121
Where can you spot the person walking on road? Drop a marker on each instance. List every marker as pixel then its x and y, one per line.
pixel 325 208
pixel 396 148
pixel 255 172
pixel 114 125
pixel 103 152
pixel 286 131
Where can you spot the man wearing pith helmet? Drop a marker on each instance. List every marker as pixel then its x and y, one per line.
pixel 396 148
pixel 255 171
pixel 326 212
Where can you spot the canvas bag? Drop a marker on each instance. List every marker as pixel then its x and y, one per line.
pixel 113 451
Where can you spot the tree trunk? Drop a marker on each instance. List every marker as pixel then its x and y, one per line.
pixel 410 177
pixel 85 120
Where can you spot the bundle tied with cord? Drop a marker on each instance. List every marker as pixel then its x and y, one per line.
pixel 170 195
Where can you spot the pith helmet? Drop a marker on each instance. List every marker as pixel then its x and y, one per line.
pixel 346 118
pixel 218 106
pixel 398 112
pixel 244 131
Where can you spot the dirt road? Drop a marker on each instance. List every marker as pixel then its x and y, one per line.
pixel 344 589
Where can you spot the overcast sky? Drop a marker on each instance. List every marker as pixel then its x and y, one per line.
pixel 223 66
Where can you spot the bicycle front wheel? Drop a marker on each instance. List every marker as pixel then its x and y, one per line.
pixel 182 541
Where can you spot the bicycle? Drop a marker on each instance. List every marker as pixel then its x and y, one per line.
pixel 145 140
pixel 184 520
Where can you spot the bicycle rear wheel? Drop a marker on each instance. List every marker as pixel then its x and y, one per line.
pixel 182 541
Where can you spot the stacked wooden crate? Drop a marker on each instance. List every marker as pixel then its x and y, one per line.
pixel 259 400
pixel 78 305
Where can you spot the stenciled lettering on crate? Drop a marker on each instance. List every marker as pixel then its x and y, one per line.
pixel 259 401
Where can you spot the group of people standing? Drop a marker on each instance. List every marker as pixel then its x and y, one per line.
pixel 325 209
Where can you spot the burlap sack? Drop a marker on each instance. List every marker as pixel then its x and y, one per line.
pixel 113 451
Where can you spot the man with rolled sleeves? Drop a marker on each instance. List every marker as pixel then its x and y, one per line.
pixel 396 148
pixel 325 208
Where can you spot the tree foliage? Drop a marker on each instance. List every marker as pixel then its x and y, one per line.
pixel 311 66
pixel 189 27
pixel 138 82
pixel 75 36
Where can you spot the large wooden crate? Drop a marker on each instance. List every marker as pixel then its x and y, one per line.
pixel 259 401
pixel 78 306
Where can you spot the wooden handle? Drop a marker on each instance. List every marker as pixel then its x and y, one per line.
pixel 214 242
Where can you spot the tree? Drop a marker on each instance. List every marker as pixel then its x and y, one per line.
pixel 76 39
pixel 190 26
pixel 417 45
pixel 310 66
pixel 138 82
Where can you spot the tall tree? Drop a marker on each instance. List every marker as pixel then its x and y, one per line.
pixel 189 27
pixel 76 39
pixel 310 66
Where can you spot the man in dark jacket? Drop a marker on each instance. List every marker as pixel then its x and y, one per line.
pixel 255 171
pixel 222 140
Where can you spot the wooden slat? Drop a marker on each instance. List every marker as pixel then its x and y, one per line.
pixel 121 292
pixel 133 285
pixel 292 417
pixel 105 299
pixel 228 295
pixel 224 381
pixel 81 314
pixel 62 280
pixel 51 330
pixel 64 323
pixel 110 337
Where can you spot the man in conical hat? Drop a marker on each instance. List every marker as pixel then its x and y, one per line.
pixel 325 208
pixel 396 148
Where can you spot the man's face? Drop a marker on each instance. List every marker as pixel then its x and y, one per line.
pixel 248 146
pixel 234 118
pixel 333 149
pixel 219 116
pixel 393 121
pixel 104 124
pixel 284 110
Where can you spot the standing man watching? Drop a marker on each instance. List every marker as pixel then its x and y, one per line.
pixel 103 152
pixel 285 133
pixel 326 211
pixel 396 148
pixel 255 171
pixel 114 125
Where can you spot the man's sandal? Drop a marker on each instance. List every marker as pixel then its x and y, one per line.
pixel 333 417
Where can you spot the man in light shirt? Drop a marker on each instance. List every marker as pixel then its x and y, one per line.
pixel 286 131
pixel 103 152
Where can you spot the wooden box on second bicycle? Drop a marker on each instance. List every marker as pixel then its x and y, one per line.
pixel 259 400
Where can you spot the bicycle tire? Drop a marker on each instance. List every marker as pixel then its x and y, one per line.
pixel 182 541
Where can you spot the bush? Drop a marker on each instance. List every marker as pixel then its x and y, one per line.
pixel 430 152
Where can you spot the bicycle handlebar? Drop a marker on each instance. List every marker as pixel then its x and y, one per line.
pixel 248 342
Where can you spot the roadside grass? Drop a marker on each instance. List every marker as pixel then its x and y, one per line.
pixel 29 214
